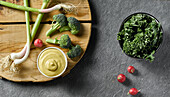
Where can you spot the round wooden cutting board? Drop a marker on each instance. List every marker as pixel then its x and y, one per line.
pixel 13 37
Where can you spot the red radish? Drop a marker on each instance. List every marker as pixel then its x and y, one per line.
pixel 131 69
pixel 38 43
pixel 121 78
pixel 133 91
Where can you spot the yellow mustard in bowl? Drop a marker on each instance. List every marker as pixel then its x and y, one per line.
pixel 52 62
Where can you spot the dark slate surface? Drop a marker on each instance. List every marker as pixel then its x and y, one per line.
pixel 95 75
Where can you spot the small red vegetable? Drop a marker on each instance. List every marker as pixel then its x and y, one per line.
pixel 133 91
pixel 131 69
pixel 121 78
pixel 38 43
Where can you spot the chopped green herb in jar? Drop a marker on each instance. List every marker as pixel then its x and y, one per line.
pixel 140 36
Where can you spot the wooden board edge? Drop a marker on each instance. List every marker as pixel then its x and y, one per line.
pixel 90 15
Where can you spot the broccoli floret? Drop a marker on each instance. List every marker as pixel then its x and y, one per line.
pixel 65 41
pixel 74 25
pixel 74 51
pixel 61 21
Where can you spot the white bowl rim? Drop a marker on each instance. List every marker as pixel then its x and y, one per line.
pixel 64 57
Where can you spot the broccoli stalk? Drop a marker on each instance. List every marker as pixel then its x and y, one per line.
pixel 74 25
pixel 65 28
pixel 61 21
pixel 74 51
pixel 64 41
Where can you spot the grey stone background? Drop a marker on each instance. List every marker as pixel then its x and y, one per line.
pixel 95 75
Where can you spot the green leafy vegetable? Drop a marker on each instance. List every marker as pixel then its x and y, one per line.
pixel 74 25
pixel 74 51
pixel 140 36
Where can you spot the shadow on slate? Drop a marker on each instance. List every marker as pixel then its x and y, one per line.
pixel 93 13
pixel 127 82
pixel 138 95
pixel 136 73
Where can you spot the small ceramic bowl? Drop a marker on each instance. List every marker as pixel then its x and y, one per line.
pixel 126 19
pixel 64 57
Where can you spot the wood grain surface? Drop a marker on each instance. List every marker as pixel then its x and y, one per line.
pixel 13 37
pixel 12 15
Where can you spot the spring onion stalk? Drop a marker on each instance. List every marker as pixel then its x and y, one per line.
pixel 19 61
pixel 21 54
pixel 18 55
pixel 27 46
pixel 34 30
pixel 26 49
pixel 8 61
pixel 66 7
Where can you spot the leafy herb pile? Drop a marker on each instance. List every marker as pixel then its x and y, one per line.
pixel 140 36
